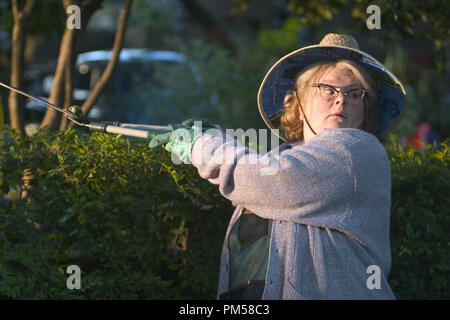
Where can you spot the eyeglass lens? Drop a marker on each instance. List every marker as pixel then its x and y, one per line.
pixel 330 93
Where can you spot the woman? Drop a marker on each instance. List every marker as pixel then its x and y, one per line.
pixel 318 227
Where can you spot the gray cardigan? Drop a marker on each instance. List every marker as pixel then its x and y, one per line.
pixel 330 201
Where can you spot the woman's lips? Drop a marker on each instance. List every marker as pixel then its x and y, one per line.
pixel 341 115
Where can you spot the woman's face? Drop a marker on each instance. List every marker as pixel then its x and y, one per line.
pixel 338 112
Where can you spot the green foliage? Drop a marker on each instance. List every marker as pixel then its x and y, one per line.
pixel 314 12
pixel 226 84
pixel 141 227
pixel 425 102
pixel 160 15
pixel 138 226
pixel 420 218
pixel 49 18
pixel 404 18
pixel 280 41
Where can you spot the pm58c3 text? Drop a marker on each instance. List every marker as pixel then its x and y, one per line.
pixel 243 309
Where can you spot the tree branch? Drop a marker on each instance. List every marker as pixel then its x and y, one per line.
pixel 68 88
pixel 65 64
pixel 16 102
pixel 110 68
pixel 52 116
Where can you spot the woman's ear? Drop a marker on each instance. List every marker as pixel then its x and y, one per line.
pixel 299 108
pixel 300 112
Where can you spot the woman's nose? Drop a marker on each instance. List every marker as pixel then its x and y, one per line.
pixel 340 98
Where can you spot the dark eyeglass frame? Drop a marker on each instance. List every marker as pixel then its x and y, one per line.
pixel 336 91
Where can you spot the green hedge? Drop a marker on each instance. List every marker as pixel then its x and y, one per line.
pixel 420 222
pixel 140 227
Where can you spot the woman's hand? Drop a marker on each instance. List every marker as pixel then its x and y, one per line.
pixel 180 140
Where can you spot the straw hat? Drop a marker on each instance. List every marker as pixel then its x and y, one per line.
pixel 282 76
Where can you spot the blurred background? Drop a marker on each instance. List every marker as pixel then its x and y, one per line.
pixel 206 58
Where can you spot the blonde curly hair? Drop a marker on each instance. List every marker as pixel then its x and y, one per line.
pixel 290 119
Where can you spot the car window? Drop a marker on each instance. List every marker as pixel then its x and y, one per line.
pixel 155 92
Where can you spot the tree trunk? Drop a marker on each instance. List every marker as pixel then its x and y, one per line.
pixel 110 68
pixel 87 10
pixel 62 84
pixel 52 117
pixel 68 89
pixel 16 101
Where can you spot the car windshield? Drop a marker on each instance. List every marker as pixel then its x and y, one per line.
pixel 150 92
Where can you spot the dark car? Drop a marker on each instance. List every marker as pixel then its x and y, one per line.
pixel 143 89
pixel 148 87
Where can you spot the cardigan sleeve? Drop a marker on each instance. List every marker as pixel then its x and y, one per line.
pixel 313 183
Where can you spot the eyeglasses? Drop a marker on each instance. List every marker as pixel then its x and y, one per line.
pixel 329 93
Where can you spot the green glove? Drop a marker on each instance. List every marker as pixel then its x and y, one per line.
pixel 181 143
pixel 158 138
pixel 205 124
pixel 180 140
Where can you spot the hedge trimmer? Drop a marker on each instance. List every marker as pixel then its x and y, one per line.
pixel 74 114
